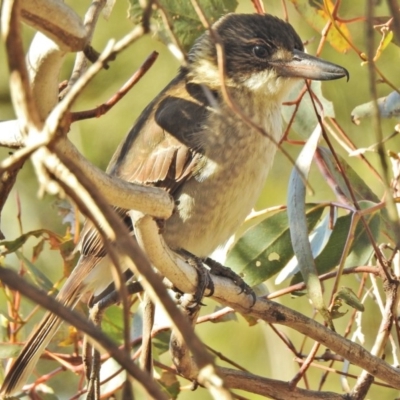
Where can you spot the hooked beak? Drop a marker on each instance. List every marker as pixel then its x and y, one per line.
pixel 302 65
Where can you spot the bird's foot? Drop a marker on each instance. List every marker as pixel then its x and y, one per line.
pixel 218 269
pixel 204 280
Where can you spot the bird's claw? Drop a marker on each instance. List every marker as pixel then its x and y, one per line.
pixel 218 269
pixel 204 280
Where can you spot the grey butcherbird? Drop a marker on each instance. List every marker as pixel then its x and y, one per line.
pixel 191 143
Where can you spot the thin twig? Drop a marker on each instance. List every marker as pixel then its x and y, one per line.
pixel 105 107
pixel 90 22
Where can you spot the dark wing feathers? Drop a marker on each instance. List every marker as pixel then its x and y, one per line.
pixel 163 149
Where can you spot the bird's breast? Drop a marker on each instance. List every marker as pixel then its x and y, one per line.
pixel 214 203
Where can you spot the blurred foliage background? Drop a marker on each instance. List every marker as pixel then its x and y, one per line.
pixel 255 348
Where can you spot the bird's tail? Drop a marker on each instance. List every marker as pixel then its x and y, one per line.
pixel 69 295
pixel 26 361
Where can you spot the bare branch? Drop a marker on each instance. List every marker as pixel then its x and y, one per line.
pixel 272 388
pixel 105 107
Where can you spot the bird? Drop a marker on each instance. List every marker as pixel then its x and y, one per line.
pixel 191 142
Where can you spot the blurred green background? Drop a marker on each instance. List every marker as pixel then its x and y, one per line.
pixel 256 348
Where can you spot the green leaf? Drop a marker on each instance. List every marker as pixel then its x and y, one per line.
pixel 318 239
pixel 9 350
pixel 38 276
pixel 170 384
pixel 251 321
pixel 161 342
pixel 350 298
pixel 7 247
pixel 187 25
pixel 266 248
pixel 347 296
pixel 298 224
pixel 360 250
pixel 112 323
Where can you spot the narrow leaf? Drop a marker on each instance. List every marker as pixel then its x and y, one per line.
pixel 350 298
pixel 389 107
pixel 170 384
pixel 9 350
pixel 360 251
pixel 298 223
pixel 38 276
pixel 161 342
pixel 11 246
pixel 318 238
pixel 112 323
pixel 265 248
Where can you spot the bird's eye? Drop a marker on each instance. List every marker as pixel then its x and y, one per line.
pixel 260 51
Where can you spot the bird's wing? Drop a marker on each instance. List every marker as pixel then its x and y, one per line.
pixel 163 149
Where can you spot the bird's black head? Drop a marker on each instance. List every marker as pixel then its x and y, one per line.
pixel 261 52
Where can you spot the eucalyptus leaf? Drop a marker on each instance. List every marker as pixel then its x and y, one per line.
pixel 231 316
pixel 388 107
pixel 318 238
pixel 161 342
pixel 169 382
pixel 11 246
pixel 38 276
pixel 350 298
pixel 298 224
pixel 112 376
pixel 265 249
pixel 314 13
pixel 112 323
pixel 9 350
pixel 360 251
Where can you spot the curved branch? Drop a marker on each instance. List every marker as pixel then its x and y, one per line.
pixel 56 20
pixel 117 192
pixel 44 61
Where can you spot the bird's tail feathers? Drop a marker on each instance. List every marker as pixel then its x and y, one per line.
pixel 23 366
pixel 26 361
